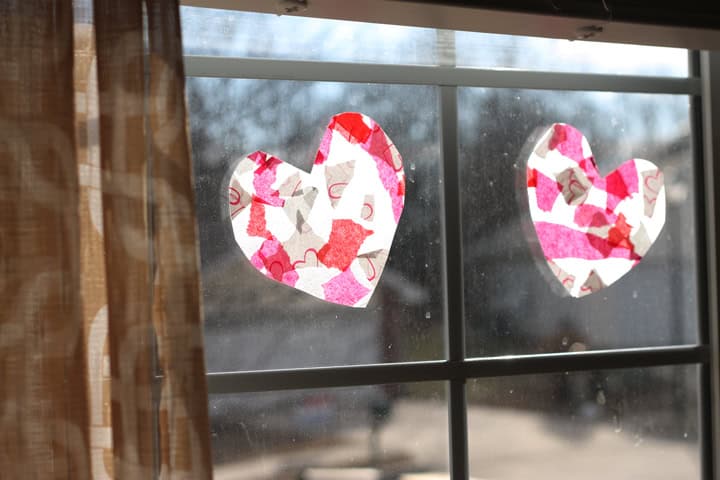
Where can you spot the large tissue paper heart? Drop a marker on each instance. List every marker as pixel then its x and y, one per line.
pixel 592 230
pixel 329 232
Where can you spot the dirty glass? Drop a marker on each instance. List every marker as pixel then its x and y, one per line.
pixel 253 323
pixel 258 35
pixel 557 55
pixel 364 433
pixel 511 306
pixel 619 424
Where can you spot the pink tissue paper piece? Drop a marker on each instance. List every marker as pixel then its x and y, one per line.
pixel 592 229
pixel 329 232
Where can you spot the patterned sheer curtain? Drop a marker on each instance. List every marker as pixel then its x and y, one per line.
pixel 101 352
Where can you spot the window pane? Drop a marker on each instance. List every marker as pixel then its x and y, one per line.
pixel 257 35
pixel 341 433
pixel 254 323
pixel 532 53
pixel 511 307
pixel 623 425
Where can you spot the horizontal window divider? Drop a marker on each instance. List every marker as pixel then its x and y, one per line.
pixel 301 70
pixel 355 375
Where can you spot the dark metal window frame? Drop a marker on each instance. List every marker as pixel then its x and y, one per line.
pixel 703 86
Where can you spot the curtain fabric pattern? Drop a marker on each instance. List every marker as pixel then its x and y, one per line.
pixel 101 351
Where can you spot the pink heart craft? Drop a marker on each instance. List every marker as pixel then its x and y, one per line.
pixel 329 232
pixel 592 229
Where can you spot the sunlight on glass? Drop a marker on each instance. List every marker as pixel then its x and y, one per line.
pixel 359 433
pixel 258 35
pixel 531 53
pixel 619 424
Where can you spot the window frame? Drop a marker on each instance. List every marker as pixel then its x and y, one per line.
pixel 703 87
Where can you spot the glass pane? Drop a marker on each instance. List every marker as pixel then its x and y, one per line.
pixel 532 53
pixel 233 33
pixel 246 34
pixel 620 425
pixel 360 433
pixel 511 307
pixel 254 323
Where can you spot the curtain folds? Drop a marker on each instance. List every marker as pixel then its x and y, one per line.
pixel 101 348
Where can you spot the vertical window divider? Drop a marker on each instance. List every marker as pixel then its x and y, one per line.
pixel 453 271
pixel 709 70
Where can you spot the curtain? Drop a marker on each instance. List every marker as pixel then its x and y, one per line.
pixel 102 369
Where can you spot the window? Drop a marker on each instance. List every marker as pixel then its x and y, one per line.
pixel 464 363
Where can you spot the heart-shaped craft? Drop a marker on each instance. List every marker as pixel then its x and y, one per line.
pixel 592 230
pixel 329 232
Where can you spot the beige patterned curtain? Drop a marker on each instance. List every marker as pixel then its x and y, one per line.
pixel 101 351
